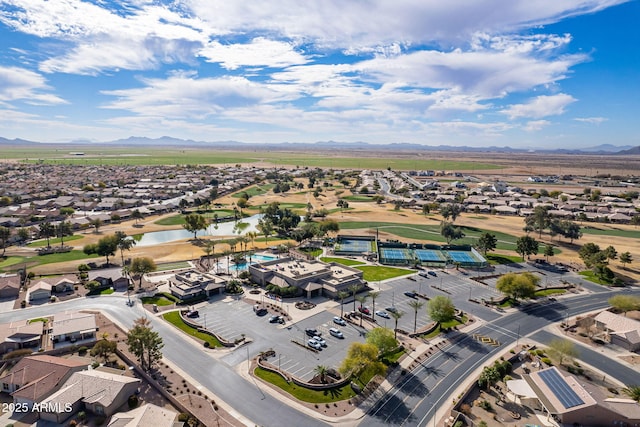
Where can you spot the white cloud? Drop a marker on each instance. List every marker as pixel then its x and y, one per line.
pixel 592 120
pixel 257 53
pixel 536 125
pixel 19 84
pixel 541 106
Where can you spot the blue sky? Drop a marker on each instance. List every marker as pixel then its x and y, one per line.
pixel 537 73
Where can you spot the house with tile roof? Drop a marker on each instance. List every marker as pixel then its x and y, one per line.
pixel 36 377
pixel 72 327
pixel 145 415
pixel 100 393
pixel 20 334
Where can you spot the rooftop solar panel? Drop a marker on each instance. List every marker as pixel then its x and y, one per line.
pixel 567 397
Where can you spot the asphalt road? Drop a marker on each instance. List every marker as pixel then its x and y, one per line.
pixel 412 402
pixel 429 387
pixel 250 399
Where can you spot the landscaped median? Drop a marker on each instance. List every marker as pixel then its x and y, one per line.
pixel 176 320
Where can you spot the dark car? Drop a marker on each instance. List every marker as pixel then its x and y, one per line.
pixel 423 274
pixel 276 319
pixel 433 273
pixel 261 311
pixel 193 313
pixel 312 332
pixel 411 294
pixel 391 309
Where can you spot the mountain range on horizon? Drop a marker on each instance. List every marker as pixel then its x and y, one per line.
pixel 167 141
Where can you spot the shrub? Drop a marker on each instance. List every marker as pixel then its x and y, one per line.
pixel 183 417
pixel 546 361
pixel 82 350
pixel 94 365
pixel 458 424
pixel 206 344
pixel 486 405
pixel 132 401
pixel 482 423
pixel 23 304
pixel 17 353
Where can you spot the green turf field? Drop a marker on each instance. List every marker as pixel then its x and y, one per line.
pixel 213 156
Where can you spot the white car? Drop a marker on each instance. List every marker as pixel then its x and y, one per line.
pixel 382 313
pixel 320 341
pixel 336 332
pixel 339 321
pixel 314 344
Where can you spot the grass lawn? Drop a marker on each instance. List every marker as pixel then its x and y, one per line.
pixel 313 252
pixel 547 292
pixel 38 319
pixel 159 300
pixel 52 242
pixel 374 273
pixel 358 198
pixel 305 394
pixel 445 325
pixel 173 265
pixel 179 218
pixel 633 234
pixel 107 291
pixel 590 276
pixel 503 259
pixel 9 261
pixel 255 190
pixel 175 319
pixel 61 257
pixel 343 261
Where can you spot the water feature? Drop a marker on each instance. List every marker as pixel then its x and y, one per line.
pixel 256 258
pixel 233 228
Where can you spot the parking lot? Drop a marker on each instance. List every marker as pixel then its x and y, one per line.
pixel 233 317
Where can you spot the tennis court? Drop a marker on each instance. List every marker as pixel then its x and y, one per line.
pixel 429 255
pixel 463 257
pixel 395 255
pixel 354 246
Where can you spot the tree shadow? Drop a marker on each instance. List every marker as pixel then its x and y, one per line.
pixel 392 411
pixel 432 370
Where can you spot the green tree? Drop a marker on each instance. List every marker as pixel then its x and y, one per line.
pixel 548 251
pixel 526 245
pixel 107 247
pixel 625 303
pixel 63 229
pixel 321 371
pixel 361 357
pixel 137 215
pixel 441 309
pixel 373 295
pixel 450 232
pixel 5 234
pixel 590 254
pixel 96 223
pixel 104 349
pixel 633 391
pixel 265 226
pixel 362 299
pixel 450 210
pixel 142 266
pixel 46 230
pixel 488 377
pixel 487 242
pixel 518 285
pixel 145 343
pixel 194 223
pixel 397 315
pixel 562 349
pixel 354 288
pixel 625 258
pixel 610 252
pixel 125 243
pixel 342 295
pixel 383 339
pixel 416 305
pixel 541 218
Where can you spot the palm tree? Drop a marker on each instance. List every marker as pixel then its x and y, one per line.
pixel 373 295
pixel 209 247
pixel 396 316
pixel 227 253
pixel 125 243
pixel 244 241
pixel 342 295
pixel 252 236
pixel 361 299
pixel 633 391
pixel 416 305
pixel 321 370
pixel 354 288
